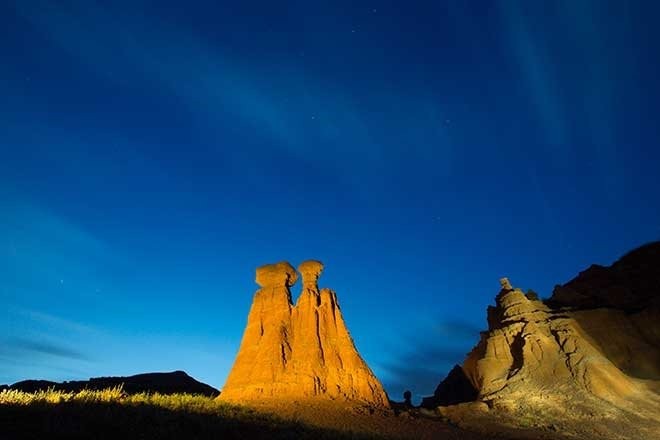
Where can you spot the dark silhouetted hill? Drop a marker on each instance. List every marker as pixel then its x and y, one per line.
pixel 630 284
pixel 164 383
pixel 455 388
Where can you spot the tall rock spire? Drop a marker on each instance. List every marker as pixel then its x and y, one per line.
pixel 298 352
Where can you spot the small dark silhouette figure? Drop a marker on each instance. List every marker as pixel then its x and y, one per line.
pixel 407 395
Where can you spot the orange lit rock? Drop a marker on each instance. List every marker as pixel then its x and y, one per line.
pixel 298 352
pixel 276 275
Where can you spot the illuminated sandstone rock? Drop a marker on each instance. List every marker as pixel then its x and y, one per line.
pixel 597 336
pixel 291 353
pixel 584 363
pixel 276 275
pixel 529 348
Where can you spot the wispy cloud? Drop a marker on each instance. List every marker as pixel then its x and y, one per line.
pixel 42 345
pixel 426 356
pixel 29 347
pixel 542 72
pixel 538 71
pixel 31 334
pixel 54 322
pixel 13 369
pixel 299 114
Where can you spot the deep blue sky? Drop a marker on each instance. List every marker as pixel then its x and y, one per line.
pixel 154 153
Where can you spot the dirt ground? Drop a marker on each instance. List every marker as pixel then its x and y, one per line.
pixel 477 421
pixel 410 424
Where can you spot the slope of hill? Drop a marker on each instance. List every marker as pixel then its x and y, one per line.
pixel 163 383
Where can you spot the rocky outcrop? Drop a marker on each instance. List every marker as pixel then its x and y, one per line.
pixel 530 348
pixel 298 352
pixel 631 284
pixel 591 350
pixel 597 333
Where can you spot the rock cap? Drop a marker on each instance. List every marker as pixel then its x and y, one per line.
pixel 505 284
pixel 280 274
pixel 310 271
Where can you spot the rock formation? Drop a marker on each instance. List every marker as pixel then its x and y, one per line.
pixel 530 347
pixel 298 352
pixel 593 346
pixel 596 333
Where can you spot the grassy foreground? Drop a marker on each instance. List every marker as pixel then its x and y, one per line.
pixel 112 414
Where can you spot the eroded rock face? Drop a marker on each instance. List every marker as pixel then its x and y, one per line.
pixel 594 346
pixel 529 348
pixel 298 352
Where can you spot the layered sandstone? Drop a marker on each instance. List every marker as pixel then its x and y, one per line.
pixel 298 352
pixel 530 349
pixel 590 353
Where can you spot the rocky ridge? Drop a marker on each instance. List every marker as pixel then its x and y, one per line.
pixel 589 353
pixel 163 383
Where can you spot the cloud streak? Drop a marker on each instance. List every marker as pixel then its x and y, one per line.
pixel 55 322
pixel 429 355
pixel 42 347
pixel 299 114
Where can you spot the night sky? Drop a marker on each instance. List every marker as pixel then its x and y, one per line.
pixel 153 154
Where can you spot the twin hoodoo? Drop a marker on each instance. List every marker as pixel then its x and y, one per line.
pixel 298 352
